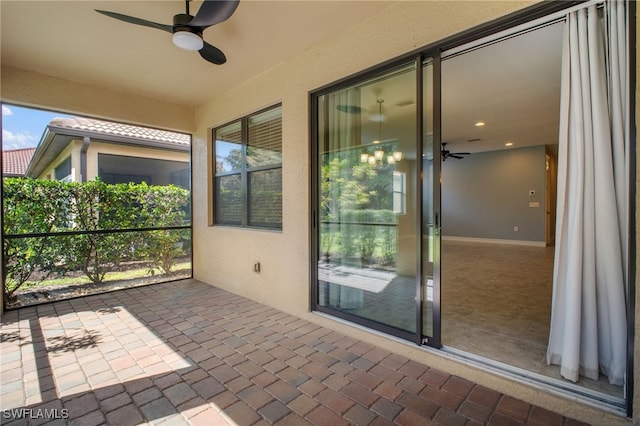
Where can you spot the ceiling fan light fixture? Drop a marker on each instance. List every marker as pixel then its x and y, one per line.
pixel 187 40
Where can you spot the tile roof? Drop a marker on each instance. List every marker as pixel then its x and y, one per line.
pixel 107 128
pixel 15 161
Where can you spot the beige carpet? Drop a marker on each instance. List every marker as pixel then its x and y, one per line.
pixel 496 303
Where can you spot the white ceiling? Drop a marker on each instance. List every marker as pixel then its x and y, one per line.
pixel 513 86
pixel 68 39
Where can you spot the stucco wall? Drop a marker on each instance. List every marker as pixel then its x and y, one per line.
pixel 72 150
pixel 224 256
pixel 284 280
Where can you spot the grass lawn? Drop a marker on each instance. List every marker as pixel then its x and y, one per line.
pixel 110 277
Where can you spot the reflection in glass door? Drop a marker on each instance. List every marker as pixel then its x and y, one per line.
pixel 367 182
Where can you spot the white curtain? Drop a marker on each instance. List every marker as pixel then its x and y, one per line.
pixel 588 319
pixel 617 45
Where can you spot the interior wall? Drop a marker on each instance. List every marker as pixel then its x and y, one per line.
pixel 487 195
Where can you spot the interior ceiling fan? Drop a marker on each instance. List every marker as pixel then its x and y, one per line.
pixel 448 154
pixel 187 30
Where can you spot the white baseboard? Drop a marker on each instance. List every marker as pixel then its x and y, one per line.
pixel 495 241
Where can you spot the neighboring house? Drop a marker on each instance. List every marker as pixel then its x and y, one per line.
pixel 16 161
pixel 82 149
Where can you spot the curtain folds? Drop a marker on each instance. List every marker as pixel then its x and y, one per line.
pixel 588 319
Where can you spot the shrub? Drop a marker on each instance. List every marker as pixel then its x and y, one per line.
pixel 88 217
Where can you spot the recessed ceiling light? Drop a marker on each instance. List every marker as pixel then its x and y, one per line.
pixel 479 123
pixel 508 144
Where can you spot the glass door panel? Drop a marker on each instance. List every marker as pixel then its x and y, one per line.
pixel 430 282
pixel 368 172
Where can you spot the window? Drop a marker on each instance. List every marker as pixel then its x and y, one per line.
pixel 399 192
pixel 63 170
pixel 248 171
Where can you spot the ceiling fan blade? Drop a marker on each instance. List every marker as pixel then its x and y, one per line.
pixel 136 21
pixel 212 54
pixel 213 12
pixel 455 156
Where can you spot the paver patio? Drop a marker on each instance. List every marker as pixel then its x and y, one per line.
pixel 189 353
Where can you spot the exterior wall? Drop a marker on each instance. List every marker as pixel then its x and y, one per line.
pixel 72 150
pixel 284 280
pixel 96 148
pixel 224 256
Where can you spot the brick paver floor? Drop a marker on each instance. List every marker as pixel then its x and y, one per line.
pixel 188 353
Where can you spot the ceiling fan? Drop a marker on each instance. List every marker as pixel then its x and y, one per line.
pixel 448 154
pixel 187 30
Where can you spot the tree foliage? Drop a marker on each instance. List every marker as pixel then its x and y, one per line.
pixel 356 205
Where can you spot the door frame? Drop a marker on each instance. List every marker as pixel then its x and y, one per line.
pixel 314 227
pixel 435 340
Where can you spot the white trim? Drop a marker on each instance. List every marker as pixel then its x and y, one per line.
pixel 495 241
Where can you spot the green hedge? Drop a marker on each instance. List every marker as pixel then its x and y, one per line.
pixel 40 206
pixel 367 235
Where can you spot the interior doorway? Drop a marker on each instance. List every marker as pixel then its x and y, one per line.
pixel 500 122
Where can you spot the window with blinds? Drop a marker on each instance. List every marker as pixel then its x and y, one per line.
pixel 248 171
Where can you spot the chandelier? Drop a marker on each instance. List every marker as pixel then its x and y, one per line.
pixel 379 156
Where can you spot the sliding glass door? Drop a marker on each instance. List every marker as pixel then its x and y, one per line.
pixel 374 160
pixel 367 173
pixel 430 241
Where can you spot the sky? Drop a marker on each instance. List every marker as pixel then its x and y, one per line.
pixel 23 127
